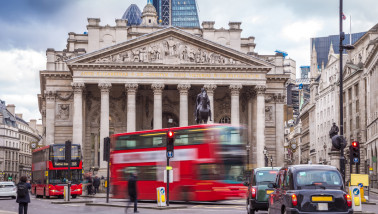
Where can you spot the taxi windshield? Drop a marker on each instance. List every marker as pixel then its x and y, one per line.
pixel 313 179
pixel 266 176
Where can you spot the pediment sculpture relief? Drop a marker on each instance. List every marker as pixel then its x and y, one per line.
pixel 169 51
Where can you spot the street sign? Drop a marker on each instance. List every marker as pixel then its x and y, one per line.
pixel 170 154
pixel 355 160
pixel 356 191
pixel 360 185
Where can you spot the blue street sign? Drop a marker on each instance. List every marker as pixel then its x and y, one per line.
pixel 360 185
pixel 300 86
pixel 162 191
pixel 170 154
pixel 356 191
pixel 355 160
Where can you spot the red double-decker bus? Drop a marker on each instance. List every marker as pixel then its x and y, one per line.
pixel 50 171
pixel 208 163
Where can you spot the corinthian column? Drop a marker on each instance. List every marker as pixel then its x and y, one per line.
pixel 260 127
pixel 50 117
pixel 131 110
pixel 158 104
pixel 279 99
pixel 104 119
pixel 78 113
pixel 183 88
pixel 210 88
pixel 235 118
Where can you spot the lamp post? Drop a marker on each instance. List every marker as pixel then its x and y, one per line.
pixel 341 49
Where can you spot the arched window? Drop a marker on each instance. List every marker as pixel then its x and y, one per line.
pixel 225 119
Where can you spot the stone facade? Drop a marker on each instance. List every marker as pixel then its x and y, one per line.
pixel 123 79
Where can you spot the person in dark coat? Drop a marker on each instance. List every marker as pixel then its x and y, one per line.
pixel 96 184
pixel 23 200
pixel 89 184
pixel 133 193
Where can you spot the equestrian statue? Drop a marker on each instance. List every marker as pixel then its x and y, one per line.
pixel 202 108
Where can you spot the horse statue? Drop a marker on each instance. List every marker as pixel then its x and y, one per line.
pixel 202 109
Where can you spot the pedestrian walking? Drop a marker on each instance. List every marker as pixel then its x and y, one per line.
pixel 96 184
pixel 133 193
pixel 23 197
pixel 89 184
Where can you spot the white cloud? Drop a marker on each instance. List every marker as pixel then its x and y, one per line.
pixel 300 31
pixel 19 80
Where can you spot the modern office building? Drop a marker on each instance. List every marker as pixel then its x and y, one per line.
pixel 322 45
pixel 305 70
pixel 133 15
pixel 178 13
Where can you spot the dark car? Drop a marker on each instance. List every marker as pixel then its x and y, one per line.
pixel 309 189
pixel 258 191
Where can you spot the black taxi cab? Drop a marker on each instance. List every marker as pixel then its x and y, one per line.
pixel 258 191
pixel 309 189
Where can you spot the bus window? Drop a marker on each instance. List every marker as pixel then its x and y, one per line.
pixel 209 172
pixel 182 139
pixel 145 173
pixel 230 137
pixel 158 141
pixel 233 172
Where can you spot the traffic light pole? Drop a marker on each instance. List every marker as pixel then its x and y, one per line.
pixel 342 159
pixel 167 181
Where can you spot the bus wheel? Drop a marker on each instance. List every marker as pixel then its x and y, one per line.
pixel 186 194
pixel 74 196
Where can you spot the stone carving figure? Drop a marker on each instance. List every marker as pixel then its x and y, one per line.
pixel 202 108
pixel 64 112
pixel 334 131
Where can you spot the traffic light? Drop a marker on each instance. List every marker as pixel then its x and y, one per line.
pixel 170 143
pixel 355 152
pixel 67 152
pixel 107 149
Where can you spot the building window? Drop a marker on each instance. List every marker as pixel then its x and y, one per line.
pixel 357 105
pixel 225 119
pixel 357 122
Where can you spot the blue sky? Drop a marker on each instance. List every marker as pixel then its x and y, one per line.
pixel 29 27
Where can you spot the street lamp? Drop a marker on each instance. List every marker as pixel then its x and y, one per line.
pixel 341 49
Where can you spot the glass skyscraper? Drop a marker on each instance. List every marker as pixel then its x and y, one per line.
pixel 179 13
pixel 322 45
pixel 133 15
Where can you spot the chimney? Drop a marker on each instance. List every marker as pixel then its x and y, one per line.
pixel 19 115
pixel 11 108
pixel 33 124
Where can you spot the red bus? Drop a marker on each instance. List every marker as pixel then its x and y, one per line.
pixel 50 171
pixel 208 163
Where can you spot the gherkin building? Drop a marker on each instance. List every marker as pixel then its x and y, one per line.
pixel 133 15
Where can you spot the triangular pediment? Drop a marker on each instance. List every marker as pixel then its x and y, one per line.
pixel 169 46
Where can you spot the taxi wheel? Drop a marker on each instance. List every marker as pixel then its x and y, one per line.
pixel 13 197
pixel 284 210
pixel 250 208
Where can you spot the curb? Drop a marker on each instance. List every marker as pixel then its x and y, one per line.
pixel 139 207
pixel 71 202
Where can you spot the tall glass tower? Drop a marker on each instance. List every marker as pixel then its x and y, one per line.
pixel 179 13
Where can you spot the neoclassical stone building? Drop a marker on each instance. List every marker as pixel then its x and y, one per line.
pixel 115 79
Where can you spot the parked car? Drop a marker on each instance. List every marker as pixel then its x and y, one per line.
pixel 309 189
pixel 8 189
pixel 258 191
